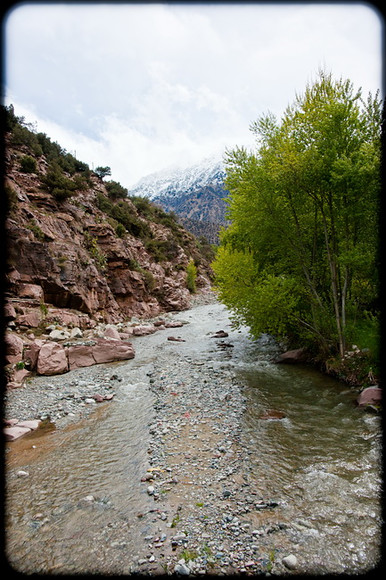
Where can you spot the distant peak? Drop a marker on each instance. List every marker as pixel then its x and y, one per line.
pixel 171 181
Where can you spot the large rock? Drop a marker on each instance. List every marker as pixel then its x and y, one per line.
pixel 59 334
pixel 79 356
pixel 12 433
pixel 370 396
pixel 292 356
pixel 105 350
pixel 143 329
pixel 15 430
pixel 32 352
pixel 14 348
pixel 111 332
pixel 9 311
pixel 31 319
pixel 52 359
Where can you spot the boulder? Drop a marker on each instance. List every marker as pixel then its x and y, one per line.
pixel 292 356
pixel 272 414
pixel 370 396
pixel 66 318
pixel 31 319
pixel 111 332
pixel 143 329
pixel 12 433
pixel 174 324
pixel 76 332
pixel 14 348
pixel 290 562
pixel 79 356
pixel 9 312
pixel 59 335
pixel 52 359
pixel 125 335
pixel 105 350
pixel 19 376
pixel 32 424
pixel 220 334
pixel 31 353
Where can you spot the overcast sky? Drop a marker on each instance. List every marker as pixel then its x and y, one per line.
pixel 140 87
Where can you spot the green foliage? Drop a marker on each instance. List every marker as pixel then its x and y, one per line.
pixel 191 272
pixel 28 164
pixel 156 214
pixel 123 213
pixel 60 186
pixel 189 555
pixel 300 256
pixel 92 247
pixel 23 133
pixel 115 190
pixel 103 171
pixel 120 230
pixel 207 250
pixel 148 278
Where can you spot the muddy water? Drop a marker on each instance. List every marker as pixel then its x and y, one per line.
pixel 77 511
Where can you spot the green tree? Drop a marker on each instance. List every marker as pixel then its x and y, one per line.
pixel 304 213
pixel 103 171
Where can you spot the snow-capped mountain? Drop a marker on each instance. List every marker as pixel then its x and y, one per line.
pixel 170 182
pixel 195 194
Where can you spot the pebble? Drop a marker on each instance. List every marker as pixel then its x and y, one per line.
pixel 290 561
pixel 182 569
pixel 22 473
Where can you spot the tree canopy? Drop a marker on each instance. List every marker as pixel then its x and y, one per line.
pixel 300 258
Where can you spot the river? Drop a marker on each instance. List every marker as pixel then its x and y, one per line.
pixel 77 510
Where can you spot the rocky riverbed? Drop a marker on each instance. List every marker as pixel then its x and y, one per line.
pixel 201 508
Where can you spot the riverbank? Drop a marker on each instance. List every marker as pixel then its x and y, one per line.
pixel 65 399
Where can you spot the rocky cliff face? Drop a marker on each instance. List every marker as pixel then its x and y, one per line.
pixel 67 254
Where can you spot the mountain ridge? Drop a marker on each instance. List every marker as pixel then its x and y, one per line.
pixel 196 194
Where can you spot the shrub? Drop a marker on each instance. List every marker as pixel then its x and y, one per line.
pixel 28 164
pixel 120 230
pixel 60 186
pixel 191 272
pixel 91 244
pixel 115 190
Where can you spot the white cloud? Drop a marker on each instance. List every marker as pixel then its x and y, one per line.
pixel 140 87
